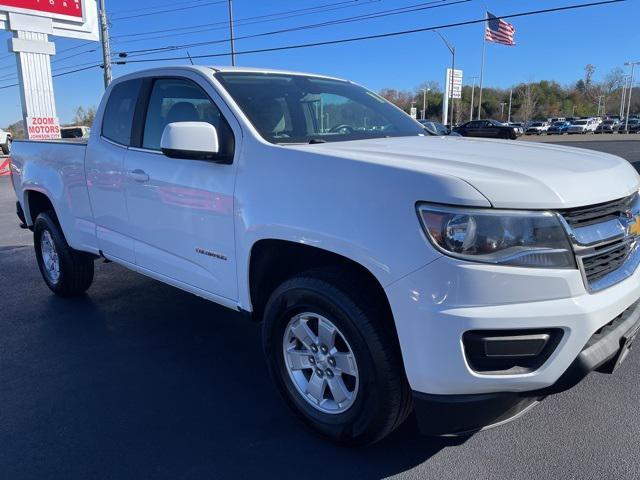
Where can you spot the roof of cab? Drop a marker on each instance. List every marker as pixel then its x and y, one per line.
pixel 271 70
pixel 206 69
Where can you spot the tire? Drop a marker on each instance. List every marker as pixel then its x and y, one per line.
pixel 380 395
pixel 6 149
pixel 74 273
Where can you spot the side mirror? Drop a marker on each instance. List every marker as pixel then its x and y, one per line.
pixel 190 140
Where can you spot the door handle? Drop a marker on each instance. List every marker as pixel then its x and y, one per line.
pixel 138 175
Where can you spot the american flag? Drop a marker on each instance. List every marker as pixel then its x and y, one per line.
pixel 499 31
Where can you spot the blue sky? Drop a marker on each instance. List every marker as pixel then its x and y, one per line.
pixel 551 46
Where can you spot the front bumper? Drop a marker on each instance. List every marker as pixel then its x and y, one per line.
pixel 435 306
pixel 466 414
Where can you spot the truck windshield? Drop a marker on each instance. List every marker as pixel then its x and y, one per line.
pixel 301 109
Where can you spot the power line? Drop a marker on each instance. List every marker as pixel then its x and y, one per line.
pixel 56 75
pixel 351 39
pixel 385 13
pixel 381 35
pixel 250 20
pixel 154 6
pixel 171 10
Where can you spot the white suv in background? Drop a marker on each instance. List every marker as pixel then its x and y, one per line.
pixel 537 128
pixel 584 125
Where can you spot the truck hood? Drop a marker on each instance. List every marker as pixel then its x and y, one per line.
pixel 509 174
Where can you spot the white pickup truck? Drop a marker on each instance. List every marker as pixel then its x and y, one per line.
pixel 393 271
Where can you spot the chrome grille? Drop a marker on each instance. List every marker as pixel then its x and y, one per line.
pixel 605 251
pixel 584 216
pixel 608 260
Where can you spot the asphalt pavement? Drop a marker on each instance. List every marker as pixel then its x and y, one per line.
pixel 138 380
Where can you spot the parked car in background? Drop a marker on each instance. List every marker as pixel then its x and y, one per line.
pixel 559 128
pixel 519 126
pixel 435 128
pixel 487 129
pixel 5 141
pixel 633 126
pixel 583 126
pixel 75 132
pixel 608 126
pixel 558 119
pixel 537 128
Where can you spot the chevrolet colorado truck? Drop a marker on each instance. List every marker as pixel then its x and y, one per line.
pixel 393 271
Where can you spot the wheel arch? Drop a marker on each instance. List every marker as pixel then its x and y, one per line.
pixel 36 202
pixel 273 261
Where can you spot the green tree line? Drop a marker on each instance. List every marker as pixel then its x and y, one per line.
pixel 529 100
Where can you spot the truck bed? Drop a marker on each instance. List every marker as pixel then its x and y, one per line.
pixel 55 168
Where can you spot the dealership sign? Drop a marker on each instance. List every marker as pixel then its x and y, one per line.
pixel 47 8
pixel 32 23
pixel 43 128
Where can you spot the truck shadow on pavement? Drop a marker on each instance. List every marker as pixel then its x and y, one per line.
pixel 140 380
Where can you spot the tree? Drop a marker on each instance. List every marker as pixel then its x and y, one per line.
pixel 84 116
pixel 17 130
pixel 528 101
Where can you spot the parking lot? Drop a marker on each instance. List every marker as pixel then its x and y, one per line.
pixel 139 380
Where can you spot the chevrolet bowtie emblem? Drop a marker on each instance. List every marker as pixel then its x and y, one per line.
pixel 634 226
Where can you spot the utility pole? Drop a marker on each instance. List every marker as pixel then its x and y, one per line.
pixel 106 49
pixel 424 102
pixel 453 76
pixel 452 49
pixel 473 90
pixel 510 100
pixel 623 96
pixel 231 38
pixel 502 105
pixel 626 120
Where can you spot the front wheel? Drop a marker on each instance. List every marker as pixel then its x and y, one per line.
pixel 335 358
pixel 67 272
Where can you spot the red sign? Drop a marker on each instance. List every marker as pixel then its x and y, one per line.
pixel 70 8
pixel 43 128
pixel 4 168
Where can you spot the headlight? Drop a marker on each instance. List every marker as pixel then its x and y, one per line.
pixel 504 237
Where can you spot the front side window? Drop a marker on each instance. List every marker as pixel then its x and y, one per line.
pixel 301 109
pixel 118 113
pixel 180 100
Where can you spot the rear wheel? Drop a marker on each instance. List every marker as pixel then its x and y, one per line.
pixel 66 271
pixel 335 359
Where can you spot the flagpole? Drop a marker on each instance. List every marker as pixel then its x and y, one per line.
pixel 484 44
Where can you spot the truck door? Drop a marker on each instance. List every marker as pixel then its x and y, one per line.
pixel 104 164
pixel 181 211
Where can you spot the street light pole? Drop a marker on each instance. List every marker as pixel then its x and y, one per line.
pixel 453 76
pixel 502 104
pixel 452 49
pixel 510 100
pixel 106 49
pixel 473 90
pixel 424 102
pixel 626 120
pixel 623 95
pixel 231 38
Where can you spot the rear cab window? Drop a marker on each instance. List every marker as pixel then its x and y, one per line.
pixel 118 115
